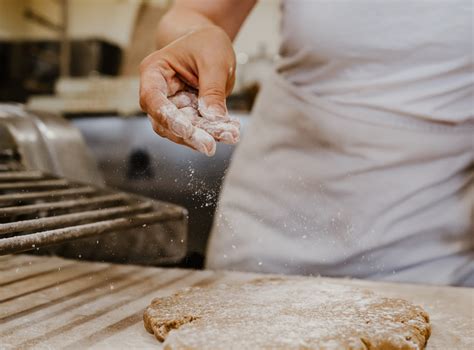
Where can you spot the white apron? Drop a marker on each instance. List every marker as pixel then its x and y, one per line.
pixel 359 160
pixel 312 189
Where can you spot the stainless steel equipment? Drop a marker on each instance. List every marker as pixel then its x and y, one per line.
pixel 46 142
pixel 38 209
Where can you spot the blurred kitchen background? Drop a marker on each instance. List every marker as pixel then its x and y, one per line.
pixel 79 59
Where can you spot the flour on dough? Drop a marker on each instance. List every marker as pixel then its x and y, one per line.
pixel 292 313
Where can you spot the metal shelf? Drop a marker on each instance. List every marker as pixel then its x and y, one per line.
pixel 38 209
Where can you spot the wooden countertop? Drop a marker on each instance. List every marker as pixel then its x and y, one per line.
pixel 49 303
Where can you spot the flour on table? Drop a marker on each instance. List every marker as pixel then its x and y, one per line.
pixel 275 313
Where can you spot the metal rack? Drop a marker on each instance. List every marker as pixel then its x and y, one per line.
pixel 38 209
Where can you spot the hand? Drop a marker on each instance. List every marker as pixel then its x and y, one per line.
pixel 202 60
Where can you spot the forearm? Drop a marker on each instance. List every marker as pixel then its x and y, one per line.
pixel 188 15
pixel 177 22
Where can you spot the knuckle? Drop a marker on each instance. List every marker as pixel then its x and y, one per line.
pixel 155 60
pixel 143 100
pixel 214 93
pixel 214 88
pixel 143 65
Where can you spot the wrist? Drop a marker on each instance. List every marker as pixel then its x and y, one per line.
pixel 178 23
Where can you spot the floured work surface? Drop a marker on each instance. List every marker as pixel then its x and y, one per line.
pixel 53 303
pixel 276 313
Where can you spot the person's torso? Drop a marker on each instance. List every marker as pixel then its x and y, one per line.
pixel 409 57
pixel 357 161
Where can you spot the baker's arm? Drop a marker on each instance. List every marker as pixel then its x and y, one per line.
pixel 186 15
pixel 196 50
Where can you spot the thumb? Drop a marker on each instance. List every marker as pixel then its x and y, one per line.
pixel 212 93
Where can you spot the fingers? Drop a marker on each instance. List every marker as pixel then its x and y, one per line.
pixel 221 131
pixel 176 121
pixel 203 142
pixel 153 89
pixel 174 85
pixel 235 122
pixel 199 139
pixel 163 132
pixel 212 91
pixel 177 118
pixel 222 128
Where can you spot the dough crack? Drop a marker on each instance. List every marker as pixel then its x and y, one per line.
pixel 161 329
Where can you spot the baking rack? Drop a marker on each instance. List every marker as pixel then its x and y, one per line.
pixel 38 209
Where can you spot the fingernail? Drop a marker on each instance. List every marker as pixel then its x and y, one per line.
pixel 227 137
pixel 203 142
pixel 210 151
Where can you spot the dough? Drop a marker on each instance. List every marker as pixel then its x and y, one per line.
pixel 279 313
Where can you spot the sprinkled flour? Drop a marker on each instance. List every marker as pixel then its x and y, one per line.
pixel 285 314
